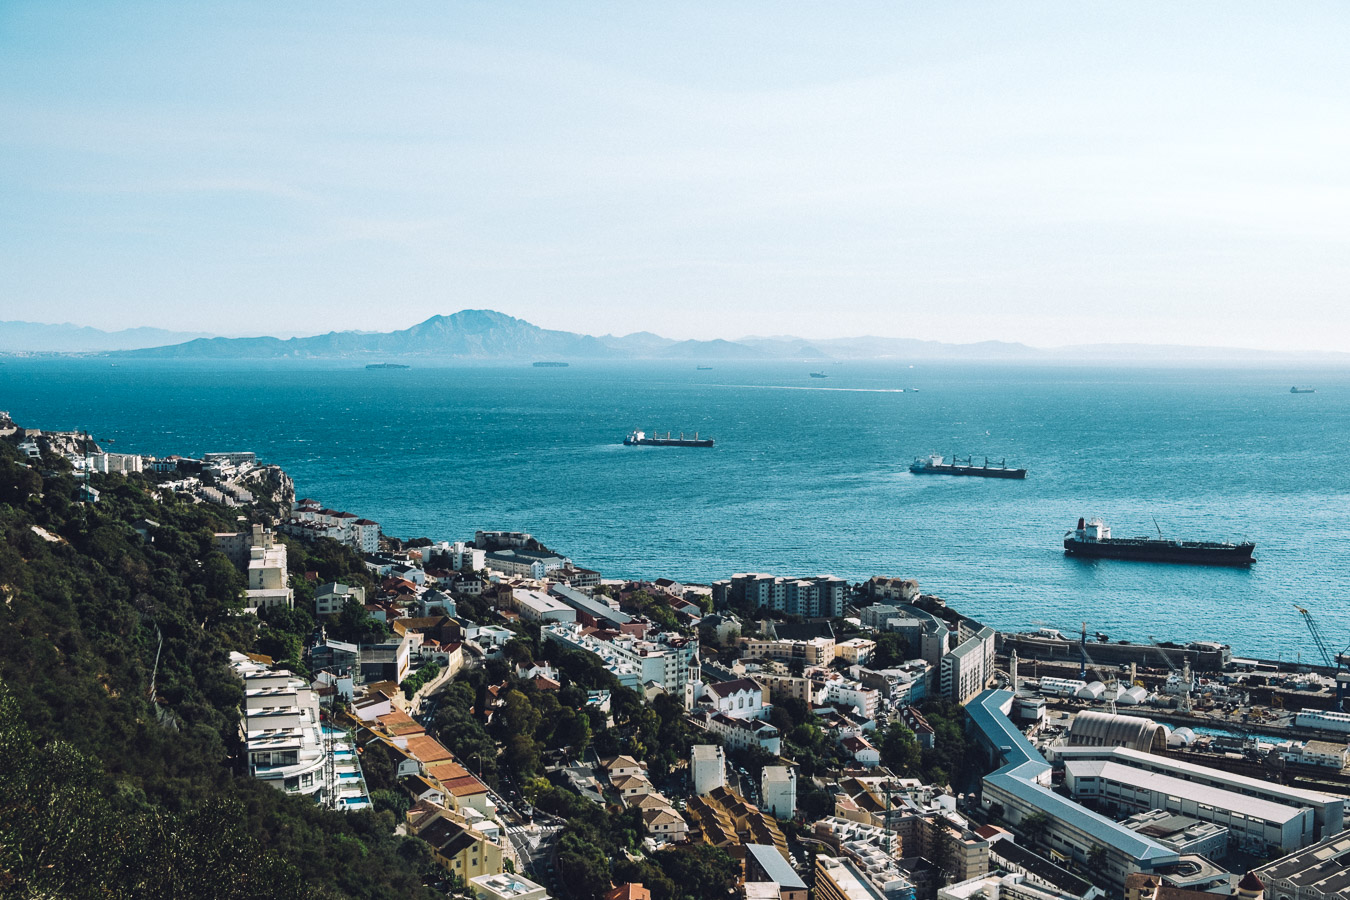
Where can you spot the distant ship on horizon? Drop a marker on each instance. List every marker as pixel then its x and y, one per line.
pixel 819 375
pixel 551 365
pixel 388 366
pixel 1299 390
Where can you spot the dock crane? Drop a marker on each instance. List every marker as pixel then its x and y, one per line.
pixel 1109 681
pixel 1340 662
pixel 1184 705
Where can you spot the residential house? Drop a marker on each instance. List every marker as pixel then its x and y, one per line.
pixel 455 844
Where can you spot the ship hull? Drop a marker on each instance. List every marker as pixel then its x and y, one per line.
pixel 668 442
pixel 1189 552
pixel 976 471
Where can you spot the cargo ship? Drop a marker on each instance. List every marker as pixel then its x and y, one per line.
pixel 1093 539
pixel 641 439
pixel 387 366
pixel 551 365
pixel 819 375
pixel 933 465
pixel 1298 390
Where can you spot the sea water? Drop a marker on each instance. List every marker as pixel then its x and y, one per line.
pixel 808 476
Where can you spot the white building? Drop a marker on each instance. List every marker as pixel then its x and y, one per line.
pixel 535 606
pixel 310 521
pixel 284 742
pixel 1330 754
pixel 263 562
pixel 708 768
pixel 466 557
pixel 852 695
pixel 665 660
pixel 779 791
pixel 507 887
pixel 1194 782
pixel 330 598
pixel 529 563
pixel 742 734
pixel 1254 824
pixel 1062 687
pixel 964 671
pixel 119 463
pixel 818 597
pixel 742 698
pixel 1324 719
pixel 855 651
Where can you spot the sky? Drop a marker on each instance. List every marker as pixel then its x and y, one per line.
pixel 1050 173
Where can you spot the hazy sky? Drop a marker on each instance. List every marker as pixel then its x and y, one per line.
pixel 1049 173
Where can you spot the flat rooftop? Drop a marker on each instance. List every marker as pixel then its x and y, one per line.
pixel 1251 807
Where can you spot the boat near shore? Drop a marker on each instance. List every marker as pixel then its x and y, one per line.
pixel 1093 539
pixel 934 465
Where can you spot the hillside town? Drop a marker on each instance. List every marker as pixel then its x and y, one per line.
pixel 550 731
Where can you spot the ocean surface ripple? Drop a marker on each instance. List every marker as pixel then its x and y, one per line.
pixel 804 478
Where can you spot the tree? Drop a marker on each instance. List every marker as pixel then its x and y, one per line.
pixel 1034 827
pixel 517 716
pixel 892 650
pixel 1096 863
pixel 900 750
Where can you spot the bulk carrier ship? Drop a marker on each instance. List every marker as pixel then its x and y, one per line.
pixel 1094 539
pixel 640 439
pixel 934 465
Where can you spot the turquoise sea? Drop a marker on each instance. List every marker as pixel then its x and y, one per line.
pixel 808 475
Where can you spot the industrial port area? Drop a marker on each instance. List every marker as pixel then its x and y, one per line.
pixel 1252 717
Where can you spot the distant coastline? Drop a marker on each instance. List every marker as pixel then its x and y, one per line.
pixel 487 335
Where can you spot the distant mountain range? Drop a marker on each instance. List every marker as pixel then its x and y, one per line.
pixel 486 334
pixel 36 337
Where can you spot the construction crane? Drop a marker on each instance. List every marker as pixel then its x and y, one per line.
pixel 1185 675
pixel 1340 662
pixel 1108 678
pixel 1316 636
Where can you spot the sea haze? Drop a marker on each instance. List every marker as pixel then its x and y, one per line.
pixel 809 476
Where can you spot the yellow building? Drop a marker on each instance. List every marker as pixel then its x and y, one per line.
pixel 463 851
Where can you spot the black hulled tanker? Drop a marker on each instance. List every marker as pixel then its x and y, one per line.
pixel 1093 539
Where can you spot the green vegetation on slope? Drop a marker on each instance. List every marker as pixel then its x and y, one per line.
pixel 119 717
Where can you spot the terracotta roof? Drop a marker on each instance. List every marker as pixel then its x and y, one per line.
pixel 427 749
pixel 400 724
pixel 467 786
pixel 632 891
pixel 446 770
pixel 1250 882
